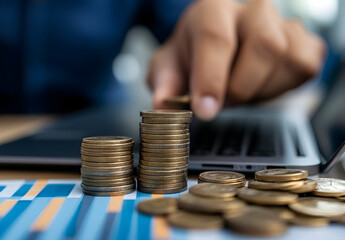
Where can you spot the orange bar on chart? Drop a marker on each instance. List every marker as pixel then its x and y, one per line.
pixel 115 204
pixel 161 229
pixel 6 206
pixel 36 188
pixel 44 220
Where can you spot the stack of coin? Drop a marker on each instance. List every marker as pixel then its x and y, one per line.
pixel 107 165
pixel 164 151
pixel 292 180
pixel 223 177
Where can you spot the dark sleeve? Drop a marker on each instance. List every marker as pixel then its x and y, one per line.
pixel 161 16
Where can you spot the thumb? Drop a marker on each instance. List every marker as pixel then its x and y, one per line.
pixel 165 79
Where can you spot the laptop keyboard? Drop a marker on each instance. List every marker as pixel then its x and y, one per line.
pixel 236 137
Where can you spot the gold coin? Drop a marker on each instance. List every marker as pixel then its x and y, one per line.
pixel 164 137
pixel 195 203
pixel 164 155
pixel 307 221
pixel 163 142
pixel 107 139
pixel 107 174
pixel 158 185
pixel 308 186
pixel 158 206
pixel 160 191
pixel 187 220
pixel 163 181
pixel 106 154
pixel 153 168
pixel 107 179
pixel 318 207
pixel 282 213
pixel 213 190
pixel 163 131
pixel 107 169
pixel 329 187
pixel 104 150
pixel 164 178
pixel 166 120
pixel 239 184
pixel 281 175
pixel 106 165
pixel 221 177
pixel 284 186
pixel 108 189
pixel 166 113
pixel 162 164
pixel 267 197
pixel 162 172
pixel 162 151
pixel 164 159
pixel 108 194
pixel 148 126
pixel 182 100
pixel 256 223
pixel 107 184
pixel 125 158
pixel 100 147
pixel 165 146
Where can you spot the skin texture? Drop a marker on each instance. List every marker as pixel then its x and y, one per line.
pixel 226 53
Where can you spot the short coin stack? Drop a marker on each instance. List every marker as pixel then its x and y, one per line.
pixel 164 151
pixel 292 180
pixel 107 165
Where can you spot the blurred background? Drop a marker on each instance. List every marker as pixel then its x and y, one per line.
pixel 129 68
pixel 323 17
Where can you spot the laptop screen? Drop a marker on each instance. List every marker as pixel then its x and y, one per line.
pixel 329 121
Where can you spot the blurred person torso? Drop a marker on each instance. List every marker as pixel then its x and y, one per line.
pixel 56 56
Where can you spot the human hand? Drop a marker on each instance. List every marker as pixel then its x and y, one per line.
pixel 229 53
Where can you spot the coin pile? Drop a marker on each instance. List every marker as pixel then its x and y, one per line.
pixel 223 177
pixel 269 212
pixel 164 151
pixel 292 180
pixel 107 165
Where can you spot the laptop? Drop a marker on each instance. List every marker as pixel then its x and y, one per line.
pixel 241 139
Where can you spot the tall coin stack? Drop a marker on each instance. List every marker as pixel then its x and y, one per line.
pixel 164 151
pixel 107 165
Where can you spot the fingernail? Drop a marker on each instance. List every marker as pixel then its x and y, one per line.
pixel 206 108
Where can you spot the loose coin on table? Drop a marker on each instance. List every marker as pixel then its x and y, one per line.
pixel 283 186
pixel 307 221
pixel 281 175
pixel 329 187
pixel 257 223
pixel 188 220
pixel 308 186
pixel 221 177
pixel 262 197
pixel 318 207
pixel 158 206
pixel 195 203
pixel 213 190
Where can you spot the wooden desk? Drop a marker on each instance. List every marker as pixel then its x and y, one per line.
pixel 16 126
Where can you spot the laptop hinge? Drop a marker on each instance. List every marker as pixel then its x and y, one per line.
pixel 325 166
